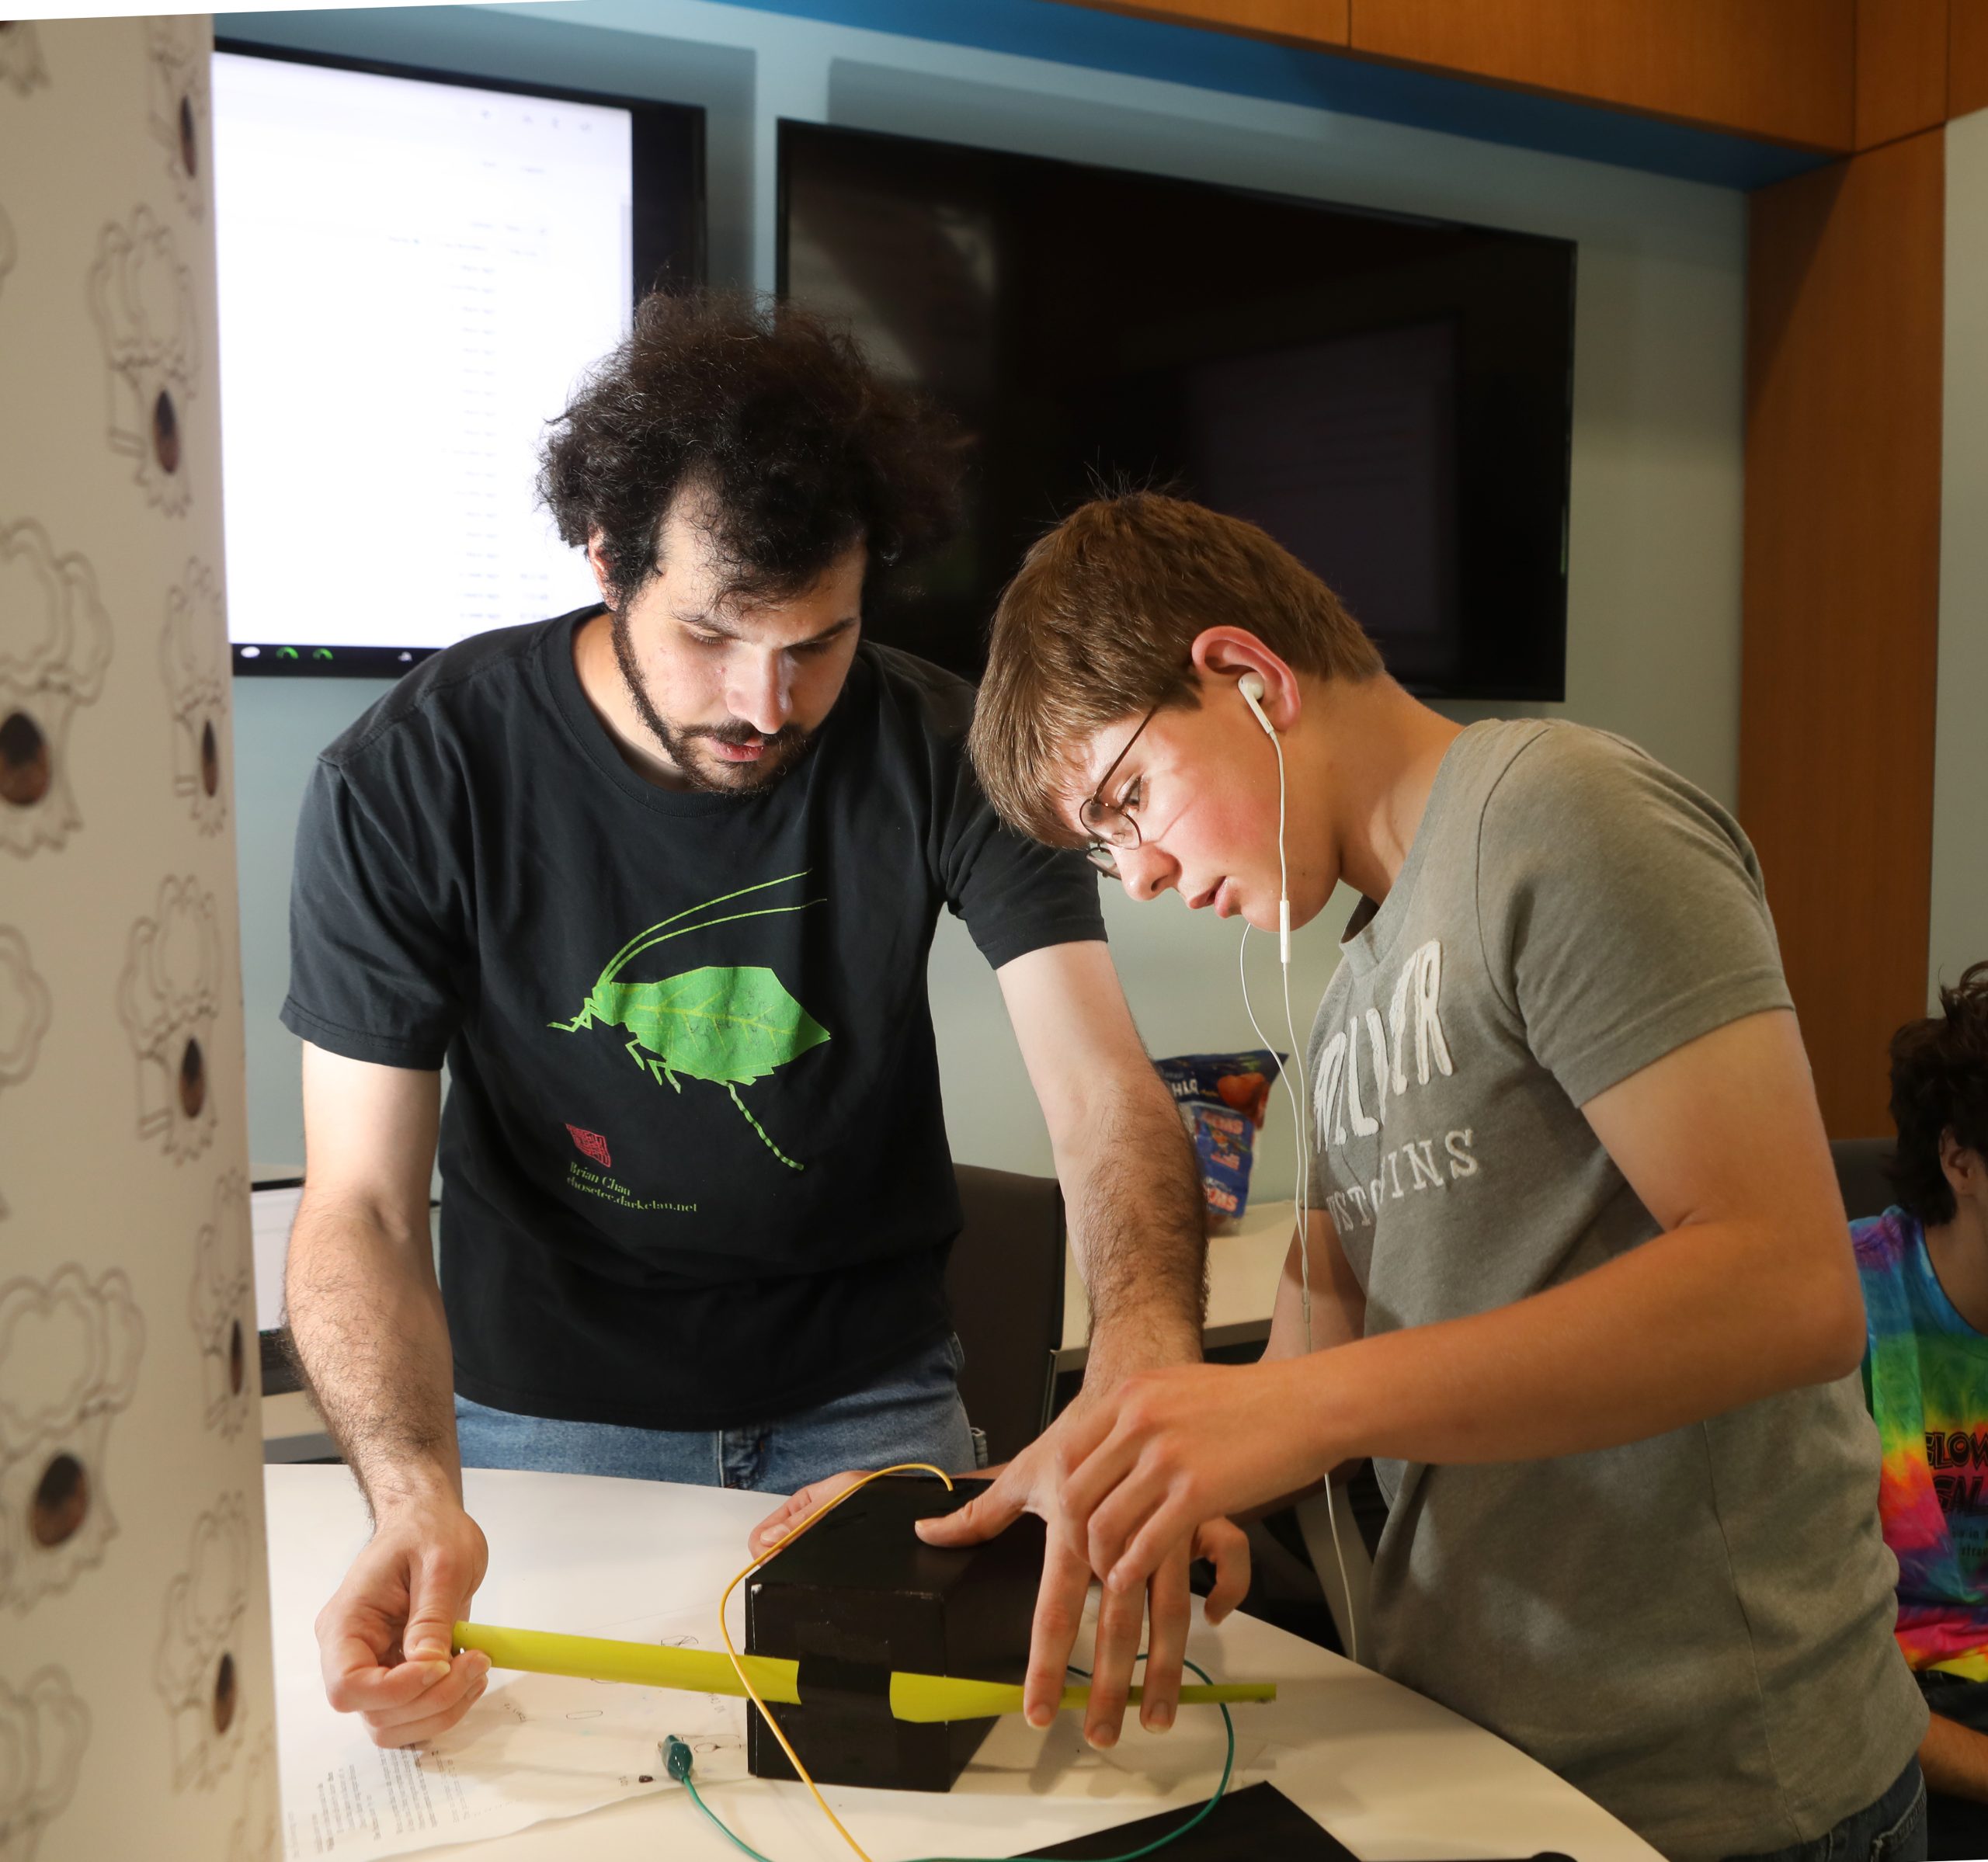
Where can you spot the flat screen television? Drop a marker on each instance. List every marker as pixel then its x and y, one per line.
pixel 414 271
pixel 1389 396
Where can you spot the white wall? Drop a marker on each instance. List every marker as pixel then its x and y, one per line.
pixel 1653 646
pixel 1960 756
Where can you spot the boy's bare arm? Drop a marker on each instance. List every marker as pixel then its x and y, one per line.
pixel 1339 1307
pixel 1338 1316
pixel 1751 1291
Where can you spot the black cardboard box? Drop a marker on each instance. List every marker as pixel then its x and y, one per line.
pixel 861 1595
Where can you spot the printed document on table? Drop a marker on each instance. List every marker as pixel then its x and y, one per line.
pixel 535 1747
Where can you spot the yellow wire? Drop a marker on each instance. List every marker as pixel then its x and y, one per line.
pixel 738 1667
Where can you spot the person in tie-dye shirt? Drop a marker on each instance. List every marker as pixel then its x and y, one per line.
pixel 1924 1266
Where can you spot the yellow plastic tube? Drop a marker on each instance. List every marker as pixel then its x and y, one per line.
pixel 925 1697
pixel 701 1671
pixel 913 1696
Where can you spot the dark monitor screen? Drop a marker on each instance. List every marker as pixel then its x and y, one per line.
pixel 1390 398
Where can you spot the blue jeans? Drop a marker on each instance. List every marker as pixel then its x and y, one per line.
pixel 912 1413
pixel 1955 1826
pixel 1893 1830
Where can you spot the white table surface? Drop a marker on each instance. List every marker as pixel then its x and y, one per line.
pixel 1392 1775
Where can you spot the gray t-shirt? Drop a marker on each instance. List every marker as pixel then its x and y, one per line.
pixel 1695 1630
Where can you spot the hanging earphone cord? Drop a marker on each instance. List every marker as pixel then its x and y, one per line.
pixel 1301 1188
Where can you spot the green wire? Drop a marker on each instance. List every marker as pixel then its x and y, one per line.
pixel 738 1842
pixel 1172 1835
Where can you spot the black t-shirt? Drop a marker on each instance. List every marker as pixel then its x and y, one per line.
pixel 694 1162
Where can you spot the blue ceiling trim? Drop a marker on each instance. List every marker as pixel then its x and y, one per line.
pixel 1080 35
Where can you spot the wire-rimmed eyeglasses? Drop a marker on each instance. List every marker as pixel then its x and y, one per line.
pixel 1108 825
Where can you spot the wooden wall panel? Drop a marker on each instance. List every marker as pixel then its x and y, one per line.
pixel 1967 57
pixel 1782 69
pixel 1901 68
pixel 1844 365
pixel 1321 23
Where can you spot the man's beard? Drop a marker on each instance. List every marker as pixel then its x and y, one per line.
pixel 783 750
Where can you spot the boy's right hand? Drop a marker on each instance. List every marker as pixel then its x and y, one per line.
pixel 384 1639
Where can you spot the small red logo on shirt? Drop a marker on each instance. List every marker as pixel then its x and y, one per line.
pixel 593 1145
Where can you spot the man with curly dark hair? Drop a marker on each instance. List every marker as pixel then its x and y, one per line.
pixel 1924 1266
pixel 658 879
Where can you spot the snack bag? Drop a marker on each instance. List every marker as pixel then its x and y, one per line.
pixel 1223 1098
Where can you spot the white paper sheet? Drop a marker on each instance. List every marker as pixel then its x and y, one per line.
pixel 536 1747
pixel 271 1212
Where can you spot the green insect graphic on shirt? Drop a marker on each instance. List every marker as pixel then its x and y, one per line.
pixel 729 1024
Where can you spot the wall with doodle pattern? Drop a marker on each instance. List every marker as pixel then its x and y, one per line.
pixel 135 1705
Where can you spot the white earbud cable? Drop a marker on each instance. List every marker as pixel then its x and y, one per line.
pixel 1297 1093
pixel 1302 1195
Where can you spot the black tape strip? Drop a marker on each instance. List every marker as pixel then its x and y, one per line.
pixel 859 1687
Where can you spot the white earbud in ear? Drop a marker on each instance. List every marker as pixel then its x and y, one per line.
pixel 1251 685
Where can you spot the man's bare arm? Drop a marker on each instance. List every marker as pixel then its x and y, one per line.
pixel 1131 1187
pixel 365 1310
pixel 366 1319
pixel 1134 1199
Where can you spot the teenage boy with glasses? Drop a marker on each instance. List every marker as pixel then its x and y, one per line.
pixel 1576 1261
